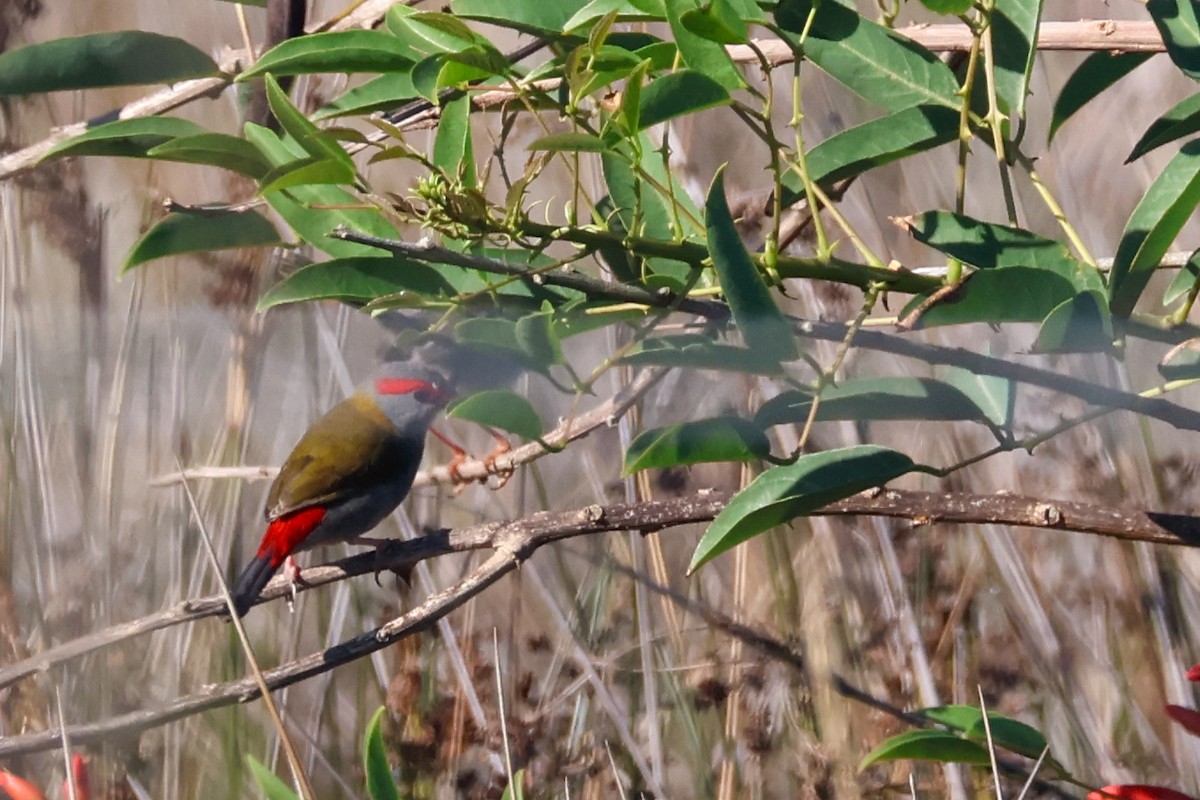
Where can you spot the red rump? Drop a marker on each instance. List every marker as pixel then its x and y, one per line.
pixel 403 386
pixel 285 534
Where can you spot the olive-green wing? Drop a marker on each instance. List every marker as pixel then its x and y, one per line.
pixel 344 450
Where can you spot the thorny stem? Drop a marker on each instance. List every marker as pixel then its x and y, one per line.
pixel 954 266
pixel 810 188
pixel 827 376
pixel 1030 442
pixel 994 117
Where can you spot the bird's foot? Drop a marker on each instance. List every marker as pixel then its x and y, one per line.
pixel 503 474
pixel 291 571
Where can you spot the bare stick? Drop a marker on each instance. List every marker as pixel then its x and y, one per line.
pixel 515 541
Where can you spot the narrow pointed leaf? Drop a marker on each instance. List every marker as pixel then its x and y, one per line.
pixel 501 409
pixel 380 783
pixel 781 494
pixel 531 16
pixel 268 782
pixel 698 53
pixel 1015 294
pixel 214 149
pixel 679 93
pixel 570 142
pixel 1182 120
pixel 759 319
pixel 193 233
pixel 129 138
pixel 1097 72
pixel 881 141
pixel 357 279
pixel 1181 362
pixel 380 94
pixel 724 438
pixel 124 58
pixel 1185 279
pixel 875 62
pixel 718 21
pixel 888 398
pixel 1014 31
pixel 698 352
pixel 316 143
pixel 335 51
pixel 987 245
pixel 1153 226
pixel 995 396
pixel 927 745
pixel 307 172
pixel 453 151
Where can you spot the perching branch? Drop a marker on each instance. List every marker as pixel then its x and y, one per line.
pixel 516 541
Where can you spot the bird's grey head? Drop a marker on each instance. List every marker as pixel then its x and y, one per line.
pixel 410 394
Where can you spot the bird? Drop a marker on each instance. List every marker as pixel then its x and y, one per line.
pixel 349 470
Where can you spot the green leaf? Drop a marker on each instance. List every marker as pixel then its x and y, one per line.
pixel 698 352
pixel 1178 21
pixel 1014 32
pixel 1014 294
pixel 531 16
pixel 380 783
pixel 268 783
pixel 781 494
pixel 887 398
pixel 537 338
pixel 954 7
pixel 1154 224
pixel 501 409
pixel 315 210
pixel 194 233
pixel 718 21
pixel 436 32
pixel 1182 120
pixel 357 279
pixel 334 51
pixel 307 172
pixel 1182 362
pixel 516 788
pixel 570 142
pixel 124 58
pixel 1007 732
pixel 996 397
pixel 1098 71
pixel 927 745
pixel 881 141
pixel 317 144
pixel 1185 279
pixel 704 56
pixel 214 149
pixel 870 60
pixel 626 11
pixel 452 148
pixel 679 93
pixel 725 438
pixel 381 94
pixel 130 138
pixel 1081 324
pixel 764 328
pixel 986 245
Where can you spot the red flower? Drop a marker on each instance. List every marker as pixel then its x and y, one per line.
pixel 1187 717
pixel 1131 791
pixel 19 788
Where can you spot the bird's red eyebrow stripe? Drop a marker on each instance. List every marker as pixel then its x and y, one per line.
pixel 402 385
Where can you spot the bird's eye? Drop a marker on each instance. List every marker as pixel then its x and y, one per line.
pixel 429 394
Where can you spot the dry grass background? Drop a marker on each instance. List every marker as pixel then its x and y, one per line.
pixel 105 383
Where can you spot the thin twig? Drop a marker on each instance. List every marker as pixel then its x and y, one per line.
pixel 1164 410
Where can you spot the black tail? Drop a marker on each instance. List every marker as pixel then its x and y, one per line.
pixel 250 583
